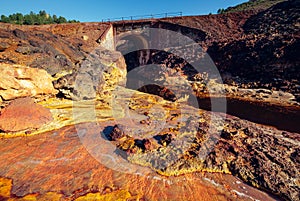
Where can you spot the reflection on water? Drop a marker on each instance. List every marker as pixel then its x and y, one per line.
pixel 283 118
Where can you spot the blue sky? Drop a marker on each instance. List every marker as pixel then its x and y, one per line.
pixel 96 10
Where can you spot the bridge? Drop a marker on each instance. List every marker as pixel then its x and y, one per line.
pixel 139 38
pixel 144 17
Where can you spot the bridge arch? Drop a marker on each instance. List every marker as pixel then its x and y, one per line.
pixel 135 48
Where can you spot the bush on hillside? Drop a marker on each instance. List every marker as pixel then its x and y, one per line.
pixel 34 19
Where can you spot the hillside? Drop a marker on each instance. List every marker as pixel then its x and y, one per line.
pixel 251 5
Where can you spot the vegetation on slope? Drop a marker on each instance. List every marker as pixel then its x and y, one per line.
pixel 251 4
pixel 34 19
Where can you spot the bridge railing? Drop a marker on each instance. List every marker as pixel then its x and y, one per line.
pixel 144 17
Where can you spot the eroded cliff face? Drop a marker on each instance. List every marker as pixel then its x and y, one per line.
pixel 253 48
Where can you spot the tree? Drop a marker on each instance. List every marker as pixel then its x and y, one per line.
pixel 43 13
pixel 73 21
pixel 61 20
pixel 55 19
pixel 38 20
pixel 49 19
pixel 41 18
pixel 221 11
pixel 28 20
pixel 12 18
pixel 19 18
pixel 4 19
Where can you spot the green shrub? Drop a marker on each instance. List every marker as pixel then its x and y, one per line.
pixel 251 4
pixel 34 19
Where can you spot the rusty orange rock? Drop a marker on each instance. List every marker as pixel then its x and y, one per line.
pixel 23 114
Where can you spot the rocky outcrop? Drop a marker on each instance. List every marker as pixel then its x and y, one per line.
pixel 282 18
pixel 23 115
pixel 100 73
pixel 78 162
pixel 258 64
pixel 258 48
pixel 54 48
pixel 20 81
pixel 260 155
pixel 266 61
pixel 163 92
pixel 266 55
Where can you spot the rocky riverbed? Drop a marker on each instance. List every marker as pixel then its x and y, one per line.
pixel 71 130
pixel 80 162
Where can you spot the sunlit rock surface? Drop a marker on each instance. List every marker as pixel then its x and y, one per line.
pixel 198 141
pixel 20 81
pixel 99 74
pixel 57 166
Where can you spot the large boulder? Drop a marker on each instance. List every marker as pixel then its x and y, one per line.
pixel 23 114
pixel 99 74
pixel 20 81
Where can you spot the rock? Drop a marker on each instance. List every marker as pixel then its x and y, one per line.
pixel 42 48
pixel 285 14
pixel 51 64
pixel 116 133
pixel 23 114
pixel 145 121
pixel 27 50
pixel 3 46
pixel 161 91
pixel 148 145
pixel 164 139
pixel 99 74
pixel 19 81
pixel 60 168
pixel 20 34
pixel 260 155
pixel 142 144
pixel 53 61
pixel 84 37
pixel 4 34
